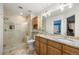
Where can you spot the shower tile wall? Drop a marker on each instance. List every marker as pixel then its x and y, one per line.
pixel 13 38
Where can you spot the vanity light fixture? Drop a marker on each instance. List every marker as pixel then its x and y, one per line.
pixel 47 13
pixel 60 7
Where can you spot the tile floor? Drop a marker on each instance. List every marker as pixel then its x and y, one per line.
pixel 21 51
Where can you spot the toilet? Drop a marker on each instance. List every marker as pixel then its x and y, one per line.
pixel 31 44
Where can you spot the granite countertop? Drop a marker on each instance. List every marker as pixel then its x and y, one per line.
pixel 61 39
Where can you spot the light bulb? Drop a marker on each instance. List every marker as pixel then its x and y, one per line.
pixel 62 8
pixel 70 5
pixel 21 13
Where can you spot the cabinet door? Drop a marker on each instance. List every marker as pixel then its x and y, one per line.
pixel 37 47
pixel 43 48
pixel 37 50
pixel 54 44
pixel 37 42
pixel 70 50
pixel 35 22
pixel 53 51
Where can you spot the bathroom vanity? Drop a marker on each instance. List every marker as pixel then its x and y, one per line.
pixel 56 45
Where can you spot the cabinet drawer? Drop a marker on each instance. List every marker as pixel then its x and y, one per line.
pixel 43 40
pixel 53 51
pixel 54 44
pixel 37 38
pixel 70 50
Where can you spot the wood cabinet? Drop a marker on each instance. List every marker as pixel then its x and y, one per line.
pixel 37 42
pixel 48 47
pixel 53 51
pixel 54 44
pixel 37 50
pixel 41 46
pixel 70 50
pixel 54 48
pixel 64 53
pixel 35 22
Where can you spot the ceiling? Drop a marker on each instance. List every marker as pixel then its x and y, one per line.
pixel 35 8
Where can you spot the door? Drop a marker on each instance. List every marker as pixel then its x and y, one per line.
pixel 43 48
pixel 37 47
pixel 53 51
